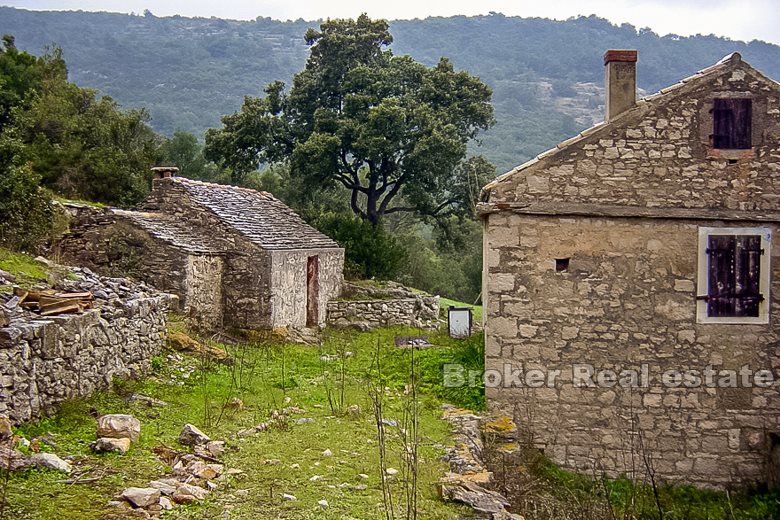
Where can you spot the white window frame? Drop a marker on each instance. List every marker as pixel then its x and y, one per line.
pixel 764 281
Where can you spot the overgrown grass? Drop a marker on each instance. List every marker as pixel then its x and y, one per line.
pixel 23 267
pixel 540 490
pixel 263 375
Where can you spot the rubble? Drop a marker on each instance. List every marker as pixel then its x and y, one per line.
pixel 119 426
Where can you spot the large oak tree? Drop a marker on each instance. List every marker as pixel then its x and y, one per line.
pixel 390 130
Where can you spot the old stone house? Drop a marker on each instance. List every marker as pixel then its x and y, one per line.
pixel 236 257
pixel 639 260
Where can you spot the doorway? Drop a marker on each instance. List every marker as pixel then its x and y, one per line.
pixel 312 291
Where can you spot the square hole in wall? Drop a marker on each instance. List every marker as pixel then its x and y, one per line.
pixel 561 264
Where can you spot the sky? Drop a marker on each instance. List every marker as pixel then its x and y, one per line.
pixel 735 19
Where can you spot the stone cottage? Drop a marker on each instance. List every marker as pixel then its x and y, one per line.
pixel 235 257
pixel 631 280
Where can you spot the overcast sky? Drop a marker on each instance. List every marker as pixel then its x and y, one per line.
pixel 736 19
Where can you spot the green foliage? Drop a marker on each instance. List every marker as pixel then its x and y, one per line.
pixel 370 251
pixel 388 129
pixel 22 266
pixel 183 151
pixel 190 71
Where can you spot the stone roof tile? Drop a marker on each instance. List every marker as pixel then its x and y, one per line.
pixel 171 230
pixel 259 216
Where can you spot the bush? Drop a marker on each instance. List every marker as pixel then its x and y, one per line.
pixel 370 251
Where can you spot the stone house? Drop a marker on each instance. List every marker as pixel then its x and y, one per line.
pixel 639 261
pixel 235 257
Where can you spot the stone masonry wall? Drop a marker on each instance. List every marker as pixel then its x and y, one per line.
pixel 204 291
pixel 420 311
pixel 289 278
pixel 44 361
pixel 628 298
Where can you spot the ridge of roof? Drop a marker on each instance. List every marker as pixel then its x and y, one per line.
pixel 733 58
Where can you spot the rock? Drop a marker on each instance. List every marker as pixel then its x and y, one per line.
pixel 166 503
pixel 215 448
pixel 236 404
pixel 360 487
pixel 305 420
pixel 241 492
pixel 150 401
pixel 13 459
pixel 50 461
pixel 6 431
pixel 354 411
pixel 192 436
pixel 119 426
pixel 327 453
pixel 475 496
pixel 272 462
pixel 166 486
pixel 391 471
pixel 286 496
pixel 5 276
pixel 323 503
pixel 184 343
pixel 183 498
pixel 44 261
pixel 362 476
pixel 295 466
pixel 141 497
pixel 108 445
pixel 390 422
pixel 190 489
pixel 315 478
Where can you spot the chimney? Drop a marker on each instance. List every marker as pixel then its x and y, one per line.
pixel 620 82
pixel 164 172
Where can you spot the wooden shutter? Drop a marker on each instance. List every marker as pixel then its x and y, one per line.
pixel 734 275
pixel 732 124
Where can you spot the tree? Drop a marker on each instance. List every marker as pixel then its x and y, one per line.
pixel 184 151
pixel 388 129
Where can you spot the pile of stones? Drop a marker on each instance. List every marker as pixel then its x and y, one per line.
pixel 191 479
pixel 468 479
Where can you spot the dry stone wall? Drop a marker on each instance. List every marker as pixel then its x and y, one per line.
pixel 419 311
pixel 44 361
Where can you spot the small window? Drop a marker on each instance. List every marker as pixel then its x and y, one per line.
pixel 733 275
pixel 732 124
pixel 561 264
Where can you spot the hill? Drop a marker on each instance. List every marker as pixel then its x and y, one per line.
pixel 546 75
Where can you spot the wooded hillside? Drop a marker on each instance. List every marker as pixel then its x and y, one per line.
pixel 546 75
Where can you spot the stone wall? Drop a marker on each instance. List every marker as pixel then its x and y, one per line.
pixel 288 281
pixel 204 291
pixel 419 311
pixel 627 299
pixel 44 361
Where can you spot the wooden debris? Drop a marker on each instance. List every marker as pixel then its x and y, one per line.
pixel 49 302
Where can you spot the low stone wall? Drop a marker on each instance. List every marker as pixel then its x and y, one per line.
pixel 44 361
pixel 418 311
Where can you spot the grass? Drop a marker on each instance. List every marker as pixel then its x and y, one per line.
pixel 540 490
pixel 27 271
pixel 63 200
pixel 263 375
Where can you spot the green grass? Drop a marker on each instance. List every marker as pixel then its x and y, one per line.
pixel 263 375
pixel 63 200
pixel 23 267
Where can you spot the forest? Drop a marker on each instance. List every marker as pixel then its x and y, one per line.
pixel 92 100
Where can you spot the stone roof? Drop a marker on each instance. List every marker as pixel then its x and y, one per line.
pixel 259 216
pixel 171 230
pixel 731 59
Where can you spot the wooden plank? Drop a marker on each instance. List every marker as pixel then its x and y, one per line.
pixel 64 307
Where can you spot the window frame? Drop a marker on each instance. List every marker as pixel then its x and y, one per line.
pixel 702 285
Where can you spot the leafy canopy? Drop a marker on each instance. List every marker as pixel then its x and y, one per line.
pixel 388 129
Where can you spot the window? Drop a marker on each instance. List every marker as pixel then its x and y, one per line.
pixel 732 124
pixel 734 275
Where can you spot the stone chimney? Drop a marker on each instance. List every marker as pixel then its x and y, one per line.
pixel 163 172
pixel 620 82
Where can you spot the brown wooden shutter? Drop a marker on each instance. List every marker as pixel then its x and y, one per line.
pixel 732 124
pixel 734 275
